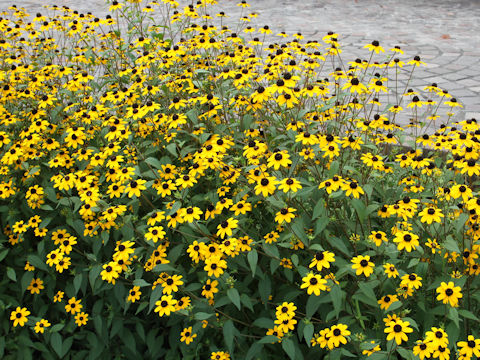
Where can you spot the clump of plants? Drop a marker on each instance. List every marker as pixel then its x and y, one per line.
pixel 173 188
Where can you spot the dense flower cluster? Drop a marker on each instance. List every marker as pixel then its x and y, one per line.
pixel 209 190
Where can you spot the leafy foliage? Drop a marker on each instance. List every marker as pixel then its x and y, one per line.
pixel 184 188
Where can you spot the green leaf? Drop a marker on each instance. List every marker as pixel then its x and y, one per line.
pixel 141 283
pixel 11 274
pixel 56 342
pixel 3 254
pixel 359 208
pixel 313 303
pixel 234 296
pixel 367 290
pixel 252 257
pixel 451 245
pixel 156 294
pixel 453 315
pixel 229 334
pixel 253 351
pixel 56 328
pixel 308 333
pixel 202 316
pixel 321 224
pixel 336 295
pixel 319 209
pixel 263 322
pixel 35 261
pixel 77 282
pixel 467 314
pixel 26 280
pixel 268 339
pixel 289 347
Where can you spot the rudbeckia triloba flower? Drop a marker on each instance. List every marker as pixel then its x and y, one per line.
pixel 397 330
pixel 165 306
pixel 362 265
pixel 314 284
pixel 322 260
pixel 187 336
pixel 448 293
pixel 19 316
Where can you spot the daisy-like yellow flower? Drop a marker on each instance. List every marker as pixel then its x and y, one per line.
pixel 81 318
pixel 165 306
pixel 134 294
pixel 449 293
pixel 226 227
pixel 19 316
pixel 314 284
pixel 41 325
pixel 397 330
pixel 285 215
pixel 322 260
pixel 363 265
pixel 289 184
pixel 431 214
pixel 73 306
pixel 386 301
pixel 187 335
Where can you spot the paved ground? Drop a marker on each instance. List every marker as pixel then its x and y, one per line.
pixel 445 33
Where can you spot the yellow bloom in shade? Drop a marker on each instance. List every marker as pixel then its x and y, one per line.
pixel 406 240
pixel 19 316
pixel 187 336
pixel 226 227
pixel 290 184
pixel 171 284
pixel 134 294
pixel 215 266
pixel 363 265
pixel 81 318
pixel 41 325
pixel 314 284
pixel 111 271
pixel 322 260
pixel 337 335
pixel 431 214
pixel 285 215
pixel 135 187
pixel 449 293
pixel 165 306
pixel 386 301
pixel 397 330
pixel 469 348
pixel 422 349
pixel 352 188
pixel 266 186
pixel 279 159
pixel 58 296
pixel 73 306
pixel 35 286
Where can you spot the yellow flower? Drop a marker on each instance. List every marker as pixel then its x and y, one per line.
pixel 19 316
pixel 41 325
pixel 449 293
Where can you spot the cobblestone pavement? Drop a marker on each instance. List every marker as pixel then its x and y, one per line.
pixel 445 33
